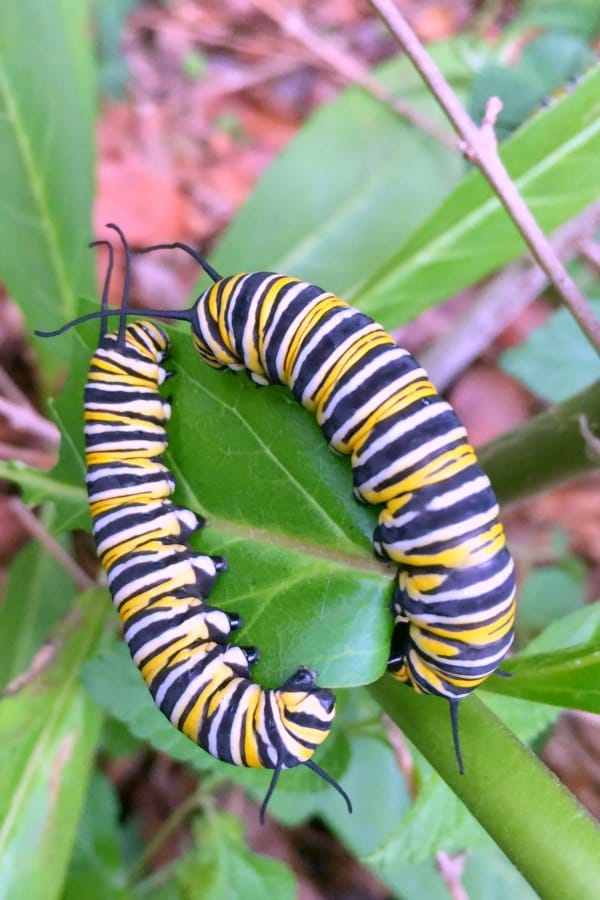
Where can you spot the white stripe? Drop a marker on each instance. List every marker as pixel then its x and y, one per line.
pixel 290 333
pixel 398 466
pixel 280 308
pixel 401 428
pixel 321 330
pixel 448 498
pixel 383 359
pixel 331 360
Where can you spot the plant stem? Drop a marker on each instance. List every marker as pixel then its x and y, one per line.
pixel 40 533
pixel 536 822
pixel 549 449
pixel 481 148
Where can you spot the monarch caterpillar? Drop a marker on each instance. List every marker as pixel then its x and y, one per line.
pixel 454 601
pixel 160 585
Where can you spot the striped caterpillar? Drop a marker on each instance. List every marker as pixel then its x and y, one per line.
pixel 454 604
pixel 160 586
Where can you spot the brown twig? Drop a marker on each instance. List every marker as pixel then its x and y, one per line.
pixel 251 78
pixel 41 534
pixel 403 756
pixel 481 149
pixel 39 459
pixel 350 68
pixel 500 301
pixel 451 869
pixel 26 419
pixel 11 390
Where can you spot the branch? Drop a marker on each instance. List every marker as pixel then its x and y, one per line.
pixel 549 449
pixel 25 419
pixel 37 530
pixel 480 147
pixel 349 67
pixel 499 302
pixel 513 796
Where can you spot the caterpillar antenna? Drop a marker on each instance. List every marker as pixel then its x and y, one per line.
pixel 182 314
pixel 270 790
pixel 126 283
pixel 107 277
pixel 315 768
pixel 178 245
pixel 455 734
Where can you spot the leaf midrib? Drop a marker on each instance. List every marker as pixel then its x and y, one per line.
pixel 237 531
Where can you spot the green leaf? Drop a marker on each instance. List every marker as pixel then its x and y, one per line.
pixel 552 161
pixel 46 158
pixel 568 677
pixel 223 867
pixel 436 822
pixel 557 360
pixel 38 592
pixel 358 179
pixel 48 734
pixel 38 487
pixel 113 71
pixel 529 721
pixel 489 875
pixel 579 627
pixel 547 63
pixel 548 593
pixel 97 868
pixel 579 16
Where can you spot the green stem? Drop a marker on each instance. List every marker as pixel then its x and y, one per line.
pixel 547 835
pixel 547 450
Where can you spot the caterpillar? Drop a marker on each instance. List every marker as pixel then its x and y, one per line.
pixel 454 600
pixel 160 585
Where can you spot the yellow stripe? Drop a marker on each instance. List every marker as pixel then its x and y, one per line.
pixel 424 583
pixel 304 328
pixel 443 467
pixel 394 404
pixel 162 658
pixel 427 674
pixel 470 553
pixel 93 415
pixel 250 743
pixel 252 361
pixel 217 306
pixel 483 634
pixel 147 598
pixel 359 348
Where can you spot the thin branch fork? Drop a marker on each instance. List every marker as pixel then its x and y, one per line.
pixel 483 152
